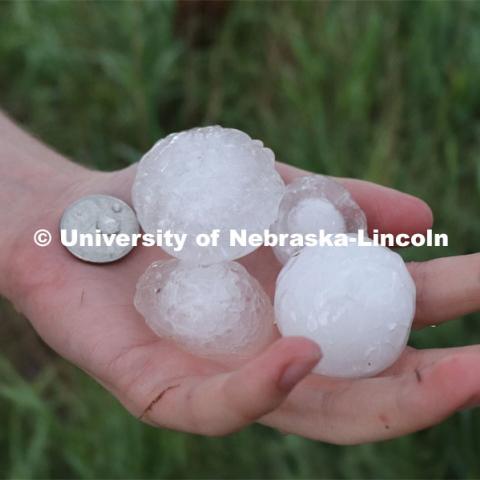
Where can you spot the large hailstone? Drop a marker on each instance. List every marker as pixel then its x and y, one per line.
pixel 214 311
pixel 313 203
pixel 356 302
pixel 204 179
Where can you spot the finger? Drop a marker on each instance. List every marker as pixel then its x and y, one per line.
pixel 384 407
pixel 446 288
pixel 226 402
pixel 415 359
pixel 387 210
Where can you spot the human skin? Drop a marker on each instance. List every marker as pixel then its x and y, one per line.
pixel 85 313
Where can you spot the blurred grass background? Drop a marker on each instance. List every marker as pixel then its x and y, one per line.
pixel 388 92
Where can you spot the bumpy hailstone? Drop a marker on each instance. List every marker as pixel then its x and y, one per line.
pixel 356 302
pixel 203 179
pixel 215 310
pixel 314 203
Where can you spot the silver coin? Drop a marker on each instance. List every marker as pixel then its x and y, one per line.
pixel 99 216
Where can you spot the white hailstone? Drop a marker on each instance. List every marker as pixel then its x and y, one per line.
pixel 204 179
pixel 313 203
pixel 356 302
pixel 212 311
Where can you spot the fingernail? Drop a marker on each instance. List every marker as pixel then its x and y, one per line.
pixel 295 372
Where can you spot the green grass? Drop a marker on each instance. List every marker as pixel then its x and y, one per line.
pixel 383 91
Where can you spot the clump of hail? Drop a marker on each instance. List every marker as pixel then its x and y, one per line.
pixel 192 183
pixel 204 179
pixel 216 310
pixel 356 302
pixel 313 203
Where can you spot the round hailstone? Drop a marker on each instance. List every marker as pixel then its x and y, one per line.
pixel 313 203
pixel 356 302
pixel 204 179
pixel 214 310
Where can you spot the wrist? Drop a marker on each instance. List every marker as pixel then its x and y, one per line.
pixel 33 197
pixel 29 267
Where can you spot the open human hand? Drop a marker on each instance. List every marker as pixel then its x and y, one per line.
pixel 85 313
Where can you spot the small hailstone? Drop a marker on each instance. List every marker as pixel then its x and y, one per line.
pixel 212 311
pixel 356 302
pixel 204 179
pixel 314 203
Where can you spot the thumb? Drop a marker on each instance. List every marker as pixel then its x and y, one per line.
pixel 227 402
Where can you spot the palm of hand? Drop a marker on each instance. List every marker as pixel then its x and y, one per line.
pixel 85 312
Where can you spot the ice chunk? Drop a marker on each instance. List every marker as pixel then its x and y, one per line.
pixel 314 203
pixel 356 302
pixel 210 311
pixel 203 179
